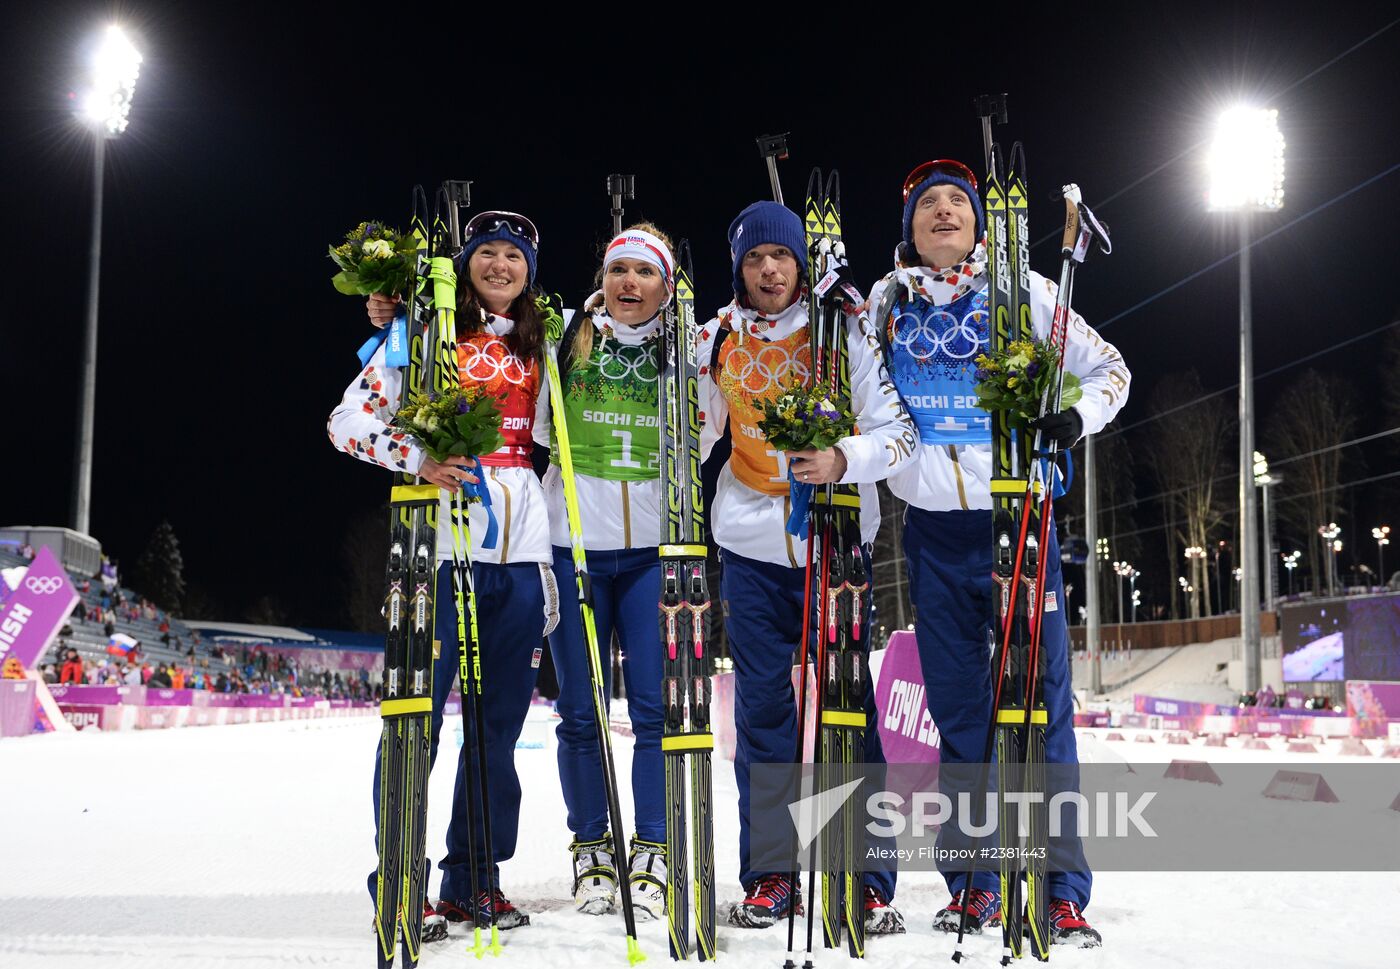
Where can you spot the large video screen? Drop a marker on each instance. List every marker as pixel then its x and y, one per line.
pixel 1314 642
pixel 1373 638
pixel 1342 639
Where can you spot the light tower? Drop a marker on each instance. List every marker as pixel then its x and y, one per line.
pixel 104 104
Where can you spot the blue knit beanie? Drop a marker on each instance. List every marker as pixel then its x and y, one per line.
pixel 503 231
pixel 760 223
pixel 943 178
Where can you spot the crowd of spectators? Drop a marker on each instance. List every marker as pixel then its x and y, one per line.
pixel 222 668
pixel 228 669
pixel 1293 700
pixel 113 604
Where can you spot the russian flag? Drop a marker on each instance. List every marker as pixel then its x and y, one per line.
pixel 120 645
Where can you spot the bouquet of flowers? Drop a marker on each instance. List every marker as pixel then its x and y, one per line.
pixel 799 419
pixel 375 258
pixel 458 422
pixel 1017 379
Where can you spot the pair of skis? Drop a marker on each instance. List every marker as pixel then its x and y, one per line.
pixel 1023 485
pixel 687 659
pixel 407 704
pixel 842 583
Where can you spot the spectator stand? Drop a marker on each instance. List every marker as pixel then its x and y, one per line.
pixel 164 639
pixel 335 664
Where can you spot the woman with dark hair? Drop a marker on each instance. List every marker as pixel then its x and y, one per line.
pixel 499 335
pixel 608 370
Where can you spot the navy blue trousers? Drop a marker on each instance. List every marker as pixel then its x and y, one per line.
pixel 510 624
pixel 626 586
pixel 950 582
pixel 764 626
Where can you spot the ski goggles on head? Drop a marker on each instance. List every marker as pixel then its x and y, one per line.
pixel 939 166
pixel 492 223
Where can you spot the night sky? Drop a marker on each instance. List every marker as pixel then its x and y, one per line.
pixel 258 137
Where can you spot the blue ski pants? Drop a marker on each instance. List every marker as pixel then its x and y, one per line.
pixel 510 624
pixel 626 585
pixel 949 557
pixel 764 626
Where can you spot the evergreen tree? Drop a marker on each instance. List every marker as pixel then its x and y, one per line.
pixel 160 571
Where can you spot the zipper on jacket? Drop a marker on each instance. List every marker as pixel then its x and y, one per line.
pixel 626 517
pixel 957 472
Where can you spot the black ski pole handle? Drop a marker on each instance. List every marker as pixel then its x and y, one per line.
pixel 620 188
pixel 774 149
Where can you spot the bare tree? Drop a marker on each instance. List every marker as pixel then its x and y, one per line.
pixel 1116 495
pixel 1317 413
pixel 1185 461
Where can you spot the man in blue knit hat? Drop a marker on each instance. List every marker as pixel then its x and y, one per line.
pixel 755 348
pixel 931 312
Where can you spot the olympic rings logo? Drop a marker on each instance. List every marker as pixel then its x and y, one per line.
pixel 488 360
pixel 941 332
pixel 43 585
pixel 614 365
pixel 771 368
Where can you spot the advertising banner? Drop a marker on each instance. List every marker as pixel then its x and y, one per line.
pixel 36 610
pixel 907 732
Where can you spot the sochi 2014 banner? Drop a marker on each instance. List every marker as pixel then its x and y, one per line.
pixel 36 610
pixel 907 732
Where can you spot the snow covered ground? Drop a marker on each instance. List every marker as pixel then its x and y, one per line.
pixel 247 846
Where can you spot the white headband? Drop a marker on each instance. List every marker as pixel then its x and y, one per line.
pixel 636 244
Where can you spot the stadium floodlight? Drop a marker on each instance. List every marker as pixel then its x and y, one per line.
pixel 1290 562
pixel 1246 176
pixel 106 102
pixel 1246 162
pixel 1382 537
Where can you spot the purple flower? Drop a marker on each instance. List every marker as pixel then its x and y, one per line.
pixel 980 373
pixel 1033 369
pixel 463 406
pixel 432 396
